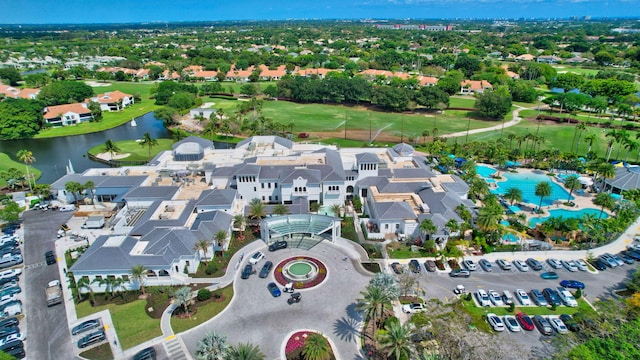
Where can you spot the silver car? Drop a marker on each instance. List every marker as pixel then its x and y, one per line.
pixel 521 265
pixel 569 265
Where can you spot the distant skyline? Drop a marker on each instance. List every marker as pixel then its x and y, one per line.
pixel 127 11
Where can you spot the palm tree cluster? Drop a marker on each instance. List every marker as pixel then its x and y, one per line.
pixel 214 346
pixel 76 189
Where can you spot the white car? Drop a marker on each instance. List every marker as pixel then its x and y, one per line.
pixel 580 264
pixel 555 263
pixel 559 325
pixel 566 297
pixel 12 337
pixel 504 264
pixel 483 298
pixel 10 273
pixel 511 323
pixel 256 258
pixel 569 265
pixel 495 298
pixel 495 322
pixel 7 299
pixel 523 297
pixel 412 308
pixel 12 310
pixel 521 265
pixel 470 265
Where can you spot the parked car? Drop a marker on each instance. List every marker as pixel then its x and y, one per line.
pixel 566 297
pixel 522 297
pixel 16 352
pixel 534 264
pixel 626 259
pixel 274 289
pixel 572 284
pixel 495 322
pixel 507 298
pixel 85 326
pixel 582 266
pixel 485 265
pixel 397 268
pixel 511 323
pixel 558 325
pixel 430 265
pixel 460 273
pixel 632 254
pixel 247 271
pixel 521 265
pixel 12 309
pixel 543 325
pixel 278 245
pixel 504 264
pixel 8 280
pixel 570 265
pixel 483 298
pixel 6 331
pixel 266 268
pixel 470 265
pixel 412 308
pixel 554 263
pixel 549 275
pixel 538 298
pixel 50 257
pixel 12 337
pixel 10 290
pixel 294 298
pixel 256 258
pixel 617 259
pixel 525 321
pixel 598 264
pixel 608 260
pixel 570 323
pixel 551 296
pixel 9 322
pixel 10 273
pixel 11 345
pixel 495 298
pixel 92 338
pixel 145 354
pixel 414 265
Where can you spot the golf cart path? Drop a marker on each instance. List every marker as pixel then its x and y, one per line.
pixel 516 120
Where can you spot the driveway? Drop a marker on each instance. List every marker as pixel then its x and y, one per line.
pixel 256 317
pixel 47 329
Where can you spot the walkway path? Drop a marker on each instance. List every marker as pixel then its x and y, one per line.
pixel 516 120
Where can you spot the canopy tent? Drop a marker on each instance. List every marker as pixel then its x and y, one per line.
pixel 584 180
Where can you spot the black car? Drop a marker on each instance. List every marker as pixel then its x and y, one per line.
pixel 92 338
pixel 11 345
pixel 534 264
pixel 8 279
pixel 9 322
pixel 632 254
pixel 50 257
pixel 247 271
pixel 627 259
pixel 552 296
pixel 266 268
pixel 278 245
pixel 294 298
pixel 598 264
pixel 85 326
pixel 571 324
pixel 145 354
pixel 6 331
pixel 16 352
pixel 414 265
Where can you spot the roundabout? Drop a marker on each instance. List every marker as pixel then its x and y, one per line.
pixel 304 272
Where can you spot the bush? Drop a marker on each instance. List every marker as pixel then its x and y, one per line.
pixel 512 307
pixel 578 294
pixel 212 267
pixel 204 294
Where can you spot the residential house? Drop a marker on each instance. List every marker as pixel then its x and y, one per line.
pixel 471 87
pixel 206 75
pixel 319 72
pixel 239 75
pixel 15 93
pixel 525 57
pixel 276 74
pixel 113 100
pixel 67 114
pixel 548 59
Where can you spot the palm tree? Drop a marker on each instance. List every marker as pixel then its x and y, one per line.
pixel 543 189
pixel 137 274
pixel 428 228
pixel 280 209
pixel 513 194
pixel 244 351
pixel 111 148
pixel 316 347
pixel 604 200
pixel 589 139
pixel 256 209
pixel 149 142
pixel 373 301
pixel 84 283
pixel 204 246
pixel 396 341
pixel 74 188
pixel 211 128
pixel 27 158
pixel 107 282
pixel 571 183
pixel 212 347
pixel 182 298
pixel 221 238
pixel 89 185
pixel 239 221
pixel 452 226
pixel 335 209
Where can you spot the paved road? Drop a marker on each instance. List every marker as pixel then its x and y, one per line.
pixel 48 333
pixel 255 316
pixel 503 125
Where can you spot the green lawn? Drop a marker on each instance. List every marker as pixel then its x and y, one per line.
pixel 6 163
pixel 570 69
pixel 463 102
pixel 131 322
pixel 204 313
pixel 137 151
pixel 100 352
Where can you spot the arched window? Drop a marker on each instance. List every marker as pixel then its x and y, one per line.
pixel 163 273
pixel 151 273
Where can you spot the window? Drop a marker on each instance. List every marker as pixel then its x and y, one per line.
pixel 262 185
pixel 386 226
pixel 276 197
pixel 99 277
pixel 275 185
pixel 263 198
pixel 255 189
pixel 269 185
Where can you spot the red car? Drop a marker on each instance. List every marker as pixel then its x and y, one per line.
pixel 525 321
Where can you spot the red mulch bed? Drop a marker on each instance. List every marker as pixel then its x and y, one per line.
pixel 295 344
pixel 322 273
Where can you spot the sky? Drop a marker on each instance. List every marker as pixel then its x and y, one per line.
pixel 128 11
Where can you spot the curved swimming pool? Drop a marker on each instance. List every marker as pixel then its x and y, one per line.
pixel 567 214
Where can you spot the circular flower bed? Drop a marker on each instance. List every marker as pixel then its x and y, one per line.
pixel 295 344
pixel 322 273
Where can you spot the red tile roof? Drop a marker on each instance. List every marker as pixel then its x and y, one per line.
pixel 112 97
pixel 53 112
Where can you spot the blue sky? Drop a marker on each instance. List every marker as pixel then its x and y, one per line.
pixel 118 11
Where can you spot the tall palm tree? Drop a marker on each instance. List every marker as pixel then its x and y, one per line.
pixel 316 347
pixel 589 139
pixel 110 147
pixel 428 228
pixel 74 188
pixel 210 128
pixel 335 209
pixel 488 218
pixel 138 273
pixel 604 200
pixel 373 302
pixel 27 158
pixel 204 246
pixel 89 185
pixel 280 209
pixel 513 194
pixel 212 347
pixel 149 142
pixel 571 183
pixel 239 221
pixel 84 283
pixel 221 238
pixel 256 209
pixel 543 189
pixel 244 351
pixel 396 341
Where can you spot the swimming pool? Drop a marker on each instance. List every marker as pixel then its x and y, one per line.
pixel 527 182
pixel 509 237
pixel 485 171
pixel 566 214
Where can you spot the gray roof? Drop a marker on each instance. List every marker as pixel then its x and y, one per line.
pixel 443 203
pixel 207 224
pixel 216 197
pixel 415 173
pixel 249 169
pixel 403 149
pixel 99 257
pixel 151 193
pixel 266 139
pixel 312 176
pixel 99 181
pixel 627 178
pixel 204 143
pixel 367 157
pixel 393 210
pixel 146 225
pixel 459 187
